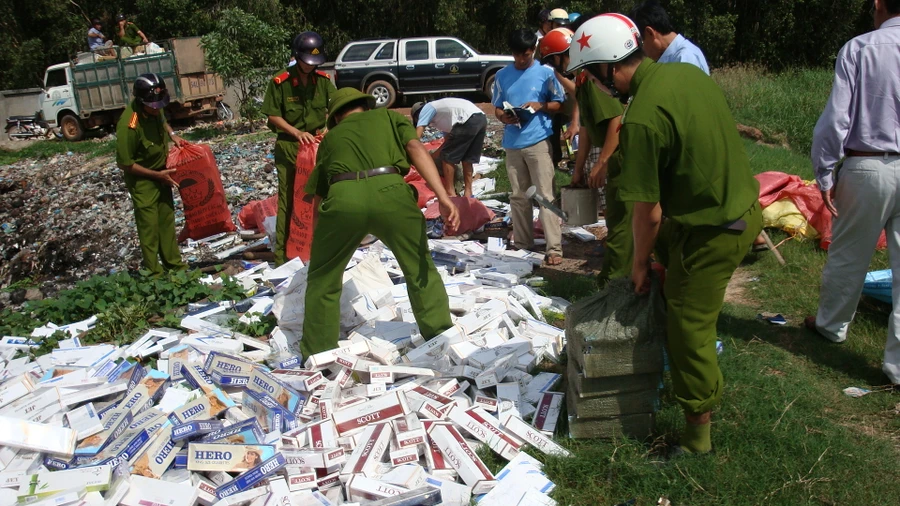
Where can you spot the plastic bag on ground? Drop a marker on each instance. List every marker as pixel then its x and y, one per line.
pixel 206 211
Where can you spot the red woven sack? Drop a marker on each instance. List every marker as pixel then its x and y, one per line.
pixel 200 185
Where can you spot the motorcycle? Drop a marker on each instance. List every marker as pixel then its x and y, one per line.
pixel 28 127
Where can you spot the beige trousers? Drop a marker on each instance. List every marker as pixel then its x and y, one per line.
pixel 867 199
pixel 526 167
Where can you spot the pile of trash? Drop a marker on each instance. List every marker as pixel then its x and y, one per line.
pixel 206 415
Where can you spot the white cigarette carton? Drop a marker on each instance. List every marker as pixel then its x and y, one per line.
pixel 462 458
pixel 485 401
pixel 322 434
pixel 84 421
pixel 306 381
pixel 452 493
pixel 361 488
pixel 227 457
pixel 44 484
pixel 205 489
pixel 409 476
pixel 486 429
pixel 252 477
pixel 367 456
pixel 408 431
pixel 301 480
pixel 324 458
pixel 381 409
pixel 329 481
pixel 58 441
pixel 14 389
pixel 542 382
pixel 534 497
pixel 403 456
pixel 547 412
pixel 531 435
pixel 430 351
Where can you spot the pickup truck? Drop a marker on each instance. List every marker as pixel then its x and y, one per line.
pixel 389 68
pixel 93 91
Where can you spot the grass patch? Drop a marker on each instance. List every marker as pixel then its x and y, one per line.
pixel 785 434
pixel 41 150
pixel 783 105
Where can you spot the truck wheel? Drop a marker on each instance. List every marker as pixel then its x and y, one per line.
pixel 489 87
pixel 71 128
pixel 384 93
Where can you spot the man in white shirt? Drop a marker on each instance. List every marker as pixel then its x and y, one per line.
pixel 464 126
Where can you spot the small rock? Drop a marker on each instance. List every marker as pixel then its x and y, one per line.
pixel 17 296
pixel 33 294
pixel 4 298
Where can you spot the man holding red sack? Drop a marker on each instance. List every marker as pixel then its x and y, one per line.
pixel 141 151
pixel 296 102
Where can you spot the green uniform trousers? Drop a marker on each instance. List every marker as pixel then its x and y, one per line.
pixel 385 207
pixel 154 214
pixel 286 165
pixel 699 263
pixel 619 252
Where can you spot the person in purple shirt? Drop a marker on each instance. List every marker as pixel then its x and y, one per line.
pixel 661 43
pixel 861 124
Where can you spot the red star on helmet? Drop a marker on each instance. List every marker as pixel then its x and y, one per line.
pixel 583 41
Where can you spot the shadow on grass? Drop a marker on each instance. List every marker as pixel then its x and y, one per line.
pixel 798 340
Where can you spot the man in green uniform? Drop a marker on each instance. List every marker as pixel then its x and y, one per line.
pixel 296 103
pixel 129 35
pixel 600 117
pixel 141 151
pixel 359 174
pixel 682 158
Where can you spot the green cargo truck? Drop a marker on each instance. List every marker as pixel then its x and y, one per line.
pixel 79 96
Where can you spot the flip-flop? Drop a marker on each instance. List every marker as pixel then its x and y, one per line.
pixel 554 260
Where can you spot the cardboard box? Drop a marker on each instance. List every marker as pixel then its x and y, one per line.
pixel 192 430
pixel 462 458
pixel 264 383
pixel 304 480
pixel 403 456
pixel 322 458
pixel 408 431
pixel 244 432
pixel 158 456
pixel 227 457
pixel 84 421
pixel 15 389
pixel 306 381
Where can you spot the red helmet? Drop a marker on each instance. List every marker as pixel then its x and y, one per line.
pixel 556 41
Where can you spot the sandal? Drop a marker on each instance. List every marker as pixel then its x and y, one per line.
pixel 553 260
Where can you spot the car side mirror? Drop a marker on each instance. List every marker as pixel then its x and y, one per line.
pixel 466 54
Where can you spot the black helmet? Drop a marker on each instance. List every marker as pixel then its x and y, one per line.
pixel 120 17
pixel 309 48
pixel 544 15
pixel 95 22
pixel 151 91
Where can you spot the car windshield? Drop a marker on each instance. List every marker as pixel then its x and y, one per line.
pixel 360 52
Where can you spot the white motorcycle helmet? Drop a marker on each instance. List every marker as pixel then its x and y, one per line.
pixel 607 38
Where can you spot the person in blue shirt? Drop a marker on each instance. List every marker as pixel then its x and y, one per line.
pixel 531 86
pixel 661 43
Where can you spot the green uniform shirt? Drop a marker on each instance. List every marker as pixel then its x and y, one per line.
pixel 141 138
pixel 680 147
pixel 362 141
pixel 132 37
pixel 597 109
pixel 303 107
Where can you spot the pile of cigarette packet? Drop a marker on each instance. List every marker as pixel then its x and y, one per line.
pixel 205 415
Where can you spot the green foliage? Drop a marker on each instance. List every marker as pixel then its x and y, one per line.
pixel 245 51
pixel 169 17
pixel 259 328
pixel 123 303
pixel 784 105
pixel 49 149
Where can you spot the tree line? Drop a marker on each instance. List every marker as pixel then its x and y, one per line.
pixel 773 33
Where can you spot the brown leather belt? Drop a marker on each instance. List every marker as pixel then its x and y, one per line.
pixel 355 176
pixel 853 152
